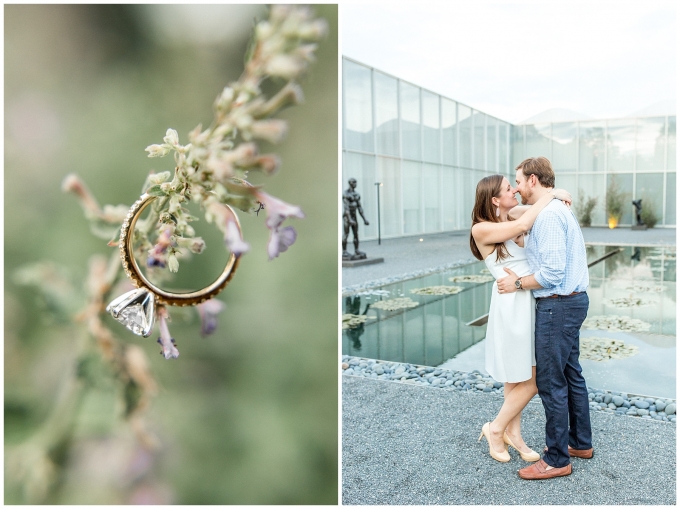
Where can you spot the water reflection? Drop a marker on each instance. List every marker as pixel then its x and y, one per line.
pixel 437 329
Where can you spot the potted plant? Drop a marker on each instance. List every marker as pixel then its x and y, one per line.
pixel 614 203
pixel 584 208
pixel 647 214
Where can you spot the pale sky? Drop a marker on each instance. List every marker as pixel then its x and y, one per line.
pixel 514 59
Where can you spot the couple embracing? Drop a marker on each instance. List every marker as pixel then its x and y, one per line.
pixel 538 304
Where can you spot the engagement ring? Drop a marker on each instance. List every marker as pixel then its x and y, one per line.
pixel 136 309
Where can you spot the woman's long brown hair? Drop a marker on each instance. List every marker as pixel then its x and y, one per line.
pixel 487 188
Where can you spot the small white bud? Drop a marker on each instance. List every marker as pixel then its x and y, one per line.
pixel 173 263
pixel 225 99
pixel 264 30
pixel 285 66
pixel 157 150
pixel 272 130
pixel 314 30
pixel 158 178
pixel 171 138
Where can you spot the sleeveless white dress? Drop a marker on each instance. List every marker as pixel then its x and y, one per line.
pixel 510 351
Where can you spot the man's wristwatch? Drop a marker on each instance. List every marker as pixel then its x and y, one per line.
pixel 518 284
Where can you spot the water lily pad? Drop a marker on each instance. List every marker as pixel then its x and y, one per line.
pixel 471 279
pixel 628 302
pixel 437 290
pixel 395 304
pixel 350 321
pixel 485 271
pixel 603 349
pixel 638 288
pixel 615 323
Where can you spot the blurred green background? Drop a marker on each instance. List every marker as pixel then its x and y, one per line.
pixel 248 415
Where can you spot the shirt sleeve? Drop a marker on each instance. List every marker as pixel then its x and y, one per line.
pixel 551 242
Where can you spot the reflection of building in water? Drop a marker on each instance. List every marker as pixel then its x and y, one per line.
pixel 430 151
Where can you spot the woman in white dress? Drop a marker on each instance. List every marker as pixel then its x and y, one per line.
pixel 497 237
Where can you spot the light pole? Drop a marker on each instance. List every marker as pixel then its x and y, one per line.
pixel 378 185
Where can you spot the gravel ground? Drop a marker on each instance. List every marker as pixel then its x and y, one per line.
pixel 408 444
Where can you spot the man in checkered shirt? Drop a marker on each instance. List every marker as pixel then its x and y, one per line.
pixel 557 255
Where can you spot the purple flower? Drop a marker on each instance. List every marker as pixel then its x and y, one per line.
pixel 152 261
pixel 157 254
pixel 226 220
pixel 168 348
pixel 208 312
pixel 280 239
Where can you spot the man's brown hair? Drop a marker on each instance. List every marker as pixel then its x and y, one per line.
pixel 539 166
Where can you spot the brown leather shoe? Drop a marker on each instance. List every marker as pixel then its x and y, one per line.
pixel 539 470
pixel 586 454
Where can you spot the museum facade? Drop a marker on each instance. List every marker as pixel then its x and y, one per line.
pixel 420 155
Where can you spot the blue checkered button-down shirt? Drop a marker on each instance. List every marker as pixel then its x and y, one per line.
pixel 556 252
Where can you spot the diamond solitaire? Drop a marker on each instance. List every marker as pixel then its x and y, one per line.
pixel 135 310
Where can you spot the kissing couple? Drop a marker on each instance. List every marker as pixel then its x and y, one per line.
pixel 537 255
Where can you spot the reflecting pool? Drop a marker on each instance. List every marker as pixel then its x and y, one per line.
pixel 632 301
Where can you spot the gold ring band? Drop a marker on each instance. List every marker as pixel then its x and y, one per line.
pixel 140 281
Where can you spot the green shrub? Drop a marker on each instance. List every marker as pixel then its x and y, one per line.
pixel 584 208
pixel 647 214
pixel 615 199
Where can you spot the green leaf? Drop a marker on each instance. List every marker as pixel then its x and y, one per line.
pixel 156 191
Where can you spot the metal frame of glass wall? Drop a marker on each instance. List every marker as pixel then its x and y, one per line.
pixel 429 152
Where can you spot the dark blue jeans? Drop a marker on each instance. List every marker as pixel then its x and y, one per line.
pixel 560 384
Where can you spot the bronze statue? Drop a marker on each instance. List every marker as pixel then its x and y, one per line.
pixel 351 204
pixel 638 210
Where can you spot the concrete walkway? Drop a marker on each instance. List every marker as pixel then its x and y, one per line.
pixel 405 444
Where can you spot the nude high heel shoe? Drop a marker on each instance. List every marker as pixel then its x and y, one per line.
pixel 504 456
pixel 526 456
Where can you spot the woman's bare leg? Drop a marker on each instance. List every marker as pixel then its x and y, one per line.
pixel 516 396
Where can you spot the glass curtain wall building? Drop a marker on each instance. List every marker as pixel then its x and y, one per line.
pixel 429 152
pixel 636 154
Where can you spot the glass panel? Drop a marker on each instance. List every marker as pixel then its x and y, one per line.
pixel 670 199
pixel 650 141
pixel 390 195
pixel 518 154
pixel 431 127
pixel 591 186
pixel 564 147
pixel 468 180
pixel 449 202
pixel 362 168
pixel 503 167
pixel 411 197
pixel 671 143
pixel 410 121
pixel 566 181
pixel 491 145
pixel 591 146
pixel 431 195
pixel 649 187
pixel 538 140
pixel 624 182
pixel 449 132
pixel 465 135
pixel 386 114
pixel 358 116
pixel 479 123
pixel 620 144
